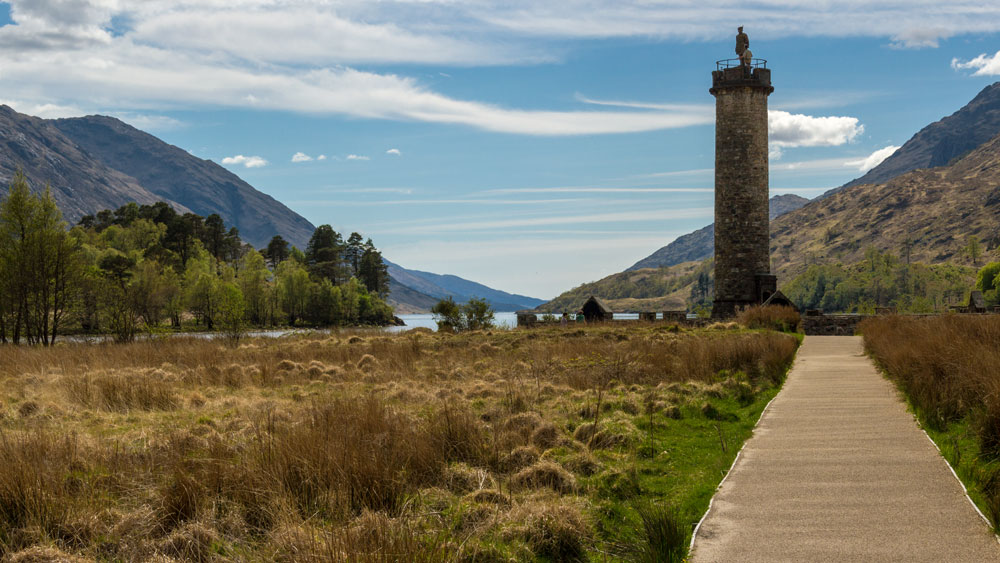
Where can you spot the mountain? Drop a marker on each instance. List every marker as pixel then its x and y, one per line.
pixel 942 141
pixel 700 244
pixel 80 183
pixel 461 290
pixel 97 162
pixel 927 214
pixel 174 175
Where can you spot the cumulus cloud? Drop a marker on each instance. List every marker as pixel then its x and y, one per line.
pixel 357 157
pixel 394 152
pixel 321 157
pixel 796 130
pixel 301 157
pixel 246 161
pixel 872 160
pixel 984 65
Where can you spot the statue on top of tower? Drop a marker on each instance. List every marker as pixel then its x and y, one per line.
pixel 742 42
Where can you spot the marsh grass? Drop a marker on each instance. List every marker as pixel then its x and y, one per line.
pixel 513 445
pixel 947 368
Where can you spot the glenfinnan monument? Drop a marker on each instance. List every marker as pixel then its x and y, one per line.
pixel 742 231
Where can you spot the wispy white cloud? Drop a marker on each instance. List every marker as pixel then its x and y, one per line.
pixel 246 161
pixel 47 111
pixel 444 226
pixel 149 122
pixel 983 65
pixel 301 157
pixel 394 152
pixel 358 157
pixel 321 157
pixel 451 201
pixel 920 37
pixel 707 109
pixel 597 190
pixel 872 160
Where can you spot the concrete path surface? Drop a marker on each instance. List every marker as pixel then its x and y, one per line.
pixel 838 470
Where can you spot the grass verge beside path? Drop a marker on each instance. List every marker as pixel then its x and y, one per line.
pixel 948 368
pixel 601 443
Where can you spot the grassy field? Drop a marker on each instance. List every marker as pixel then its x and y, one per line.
pixel 600 444
pixel 947 368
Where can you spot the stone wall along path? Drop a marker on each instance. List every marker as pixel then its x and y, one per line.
pixel 838 470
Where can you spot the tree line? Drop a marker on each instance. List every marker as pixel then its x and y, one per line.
pixel 146 267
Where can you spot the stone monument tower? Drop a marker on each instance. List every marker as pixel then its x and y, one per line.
pixel 742 238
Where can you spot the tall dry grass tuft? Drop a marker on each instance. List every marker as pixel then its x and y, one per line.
pixel 35 492
pixel 774 317
pixel 948 366
pixel 121 392
pixel 375 538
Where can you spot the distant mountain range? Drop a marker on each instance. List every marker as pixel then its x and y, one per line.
pixel 925 201
pixel 96 162
pixel 700 244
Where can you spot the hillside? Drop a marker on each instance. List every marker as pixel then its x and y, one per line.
pixel 925 215
pixel 648 289
pixel 80 183
pixel 174 175
pixel 97 162
pixel 700 244
pixel 942 141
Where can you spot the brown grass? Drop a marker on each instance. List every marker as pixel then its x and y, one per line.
pixel 345 446
pixel 947 367
pixel 773 317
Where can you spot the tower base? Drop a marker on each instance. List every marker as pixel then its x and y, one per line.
pixel 764 286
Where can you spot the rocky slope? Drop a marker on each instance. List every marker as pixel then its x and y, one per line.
pixel 943 141
pixel 80 183
pixel 927 215
pixel 175 175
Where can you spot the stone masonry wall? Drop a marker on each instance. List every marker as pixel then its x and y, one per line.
pixel 741 193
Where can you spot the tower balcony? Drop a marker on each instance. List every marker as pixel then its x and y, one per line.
pixel 731 73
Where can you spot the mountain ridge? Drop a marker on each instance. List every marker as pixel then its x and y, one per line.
pixel 98 162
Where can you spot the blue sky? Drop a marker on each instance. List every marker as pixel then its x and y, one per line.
pixel 530 146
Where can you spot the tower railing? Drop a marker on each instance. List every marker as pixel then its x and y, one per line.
pixel 734 63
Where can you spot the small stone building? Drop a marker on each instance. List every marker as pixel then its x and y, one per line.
pixel 596 310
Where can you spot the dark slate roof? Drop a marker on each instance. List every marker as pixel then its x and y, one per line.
pixel 778 298
pixel 976 300
pixel 600 303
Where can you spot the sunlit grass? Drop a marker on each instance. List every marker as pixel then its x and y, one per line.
pixel 365 446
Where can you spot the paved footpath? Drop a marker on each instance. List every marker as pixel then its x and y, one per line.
pixel 837 470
